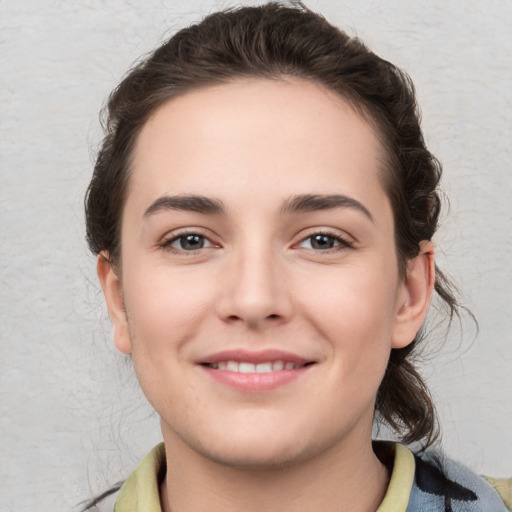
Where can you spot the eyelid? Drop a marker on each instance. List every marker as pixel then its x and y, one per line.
pixel 345 241
pixel 168 239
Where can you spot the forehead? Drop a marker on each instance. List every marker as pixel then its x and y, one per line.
pixel 288 133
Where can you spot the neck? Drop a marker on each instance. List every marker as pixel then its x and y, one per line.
pixel 348 477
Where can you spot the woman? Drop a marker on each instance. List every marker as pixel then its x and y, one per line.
pixel 262 209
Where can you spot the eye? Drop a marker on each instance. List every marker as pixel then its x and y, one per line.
pixel 324 242
pixel 187 243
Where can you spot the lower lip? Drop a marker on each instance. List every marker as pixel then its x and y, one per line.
pixel 256 382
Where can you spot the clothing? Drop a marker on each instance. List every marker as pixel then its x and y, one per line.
pixel 417 484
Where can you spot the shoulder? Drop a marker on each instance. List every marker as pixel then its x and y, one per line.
pixel 504 488
pixel 448 486
pixel 140 492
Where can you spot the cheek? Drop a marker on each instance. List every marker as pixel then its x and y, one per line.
pixel 163 311
pixel 356 300
pixel 164 314
pixel 356 314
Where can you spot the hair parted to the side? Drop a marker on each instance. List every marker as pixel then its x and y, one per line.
pixel 276 41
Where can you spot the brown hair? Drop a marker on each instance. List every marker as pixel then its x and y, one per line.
pixel 272 41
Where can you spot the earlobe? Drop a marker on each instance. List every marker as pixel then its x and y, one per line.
pixel 113 292
pixel 414 299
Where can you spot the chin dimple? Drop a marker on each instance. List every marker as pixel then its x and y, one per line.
pixel 246 367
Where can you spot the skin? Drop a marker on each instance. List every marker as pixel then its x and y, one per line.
pixel 260 281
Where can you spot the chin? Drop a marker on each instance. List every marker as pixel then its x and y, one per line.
pixel 265 449
pixel 255 457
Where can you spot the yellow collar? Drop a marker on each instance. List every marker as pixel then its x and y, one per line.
pixel 400 485
pixel 140 493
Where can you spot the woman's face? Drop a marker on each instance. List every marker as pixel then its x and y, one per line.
pixel 260 293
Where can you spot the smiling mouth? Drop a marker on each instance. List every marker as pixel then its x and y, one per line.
pixel 248 367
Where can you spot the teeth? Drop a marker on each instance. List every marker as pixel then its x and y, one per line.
pixel 264 367
pixel 244 367
pixel 277 366
pixel 232 366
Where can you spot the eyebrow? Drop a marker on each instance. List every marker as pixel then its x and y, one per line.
pixel 296 204
pixel 313 202
pixel 190 203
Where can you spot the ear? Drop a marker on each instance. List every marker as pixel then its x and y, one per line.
pixel 414 297
pixel 113 292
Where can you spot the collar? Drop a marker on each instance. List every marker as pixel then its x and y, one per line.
pixel 140 493
pixel 402 478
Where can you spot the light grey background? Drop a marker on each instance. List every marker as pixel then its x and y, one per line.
pixel 72 418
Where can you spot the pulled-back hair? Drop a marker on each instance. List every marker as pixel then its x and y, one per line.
pixel 275 41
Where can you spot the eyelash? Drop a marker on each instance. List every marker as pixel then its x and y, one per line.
pixel 339 242
pixel 168 243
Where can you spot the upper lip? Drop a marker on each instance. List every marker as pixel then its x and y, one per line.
pixel 255 357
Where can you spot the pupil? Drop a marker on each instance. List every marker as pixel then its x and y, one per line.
pixel 191 242
pixel 322 242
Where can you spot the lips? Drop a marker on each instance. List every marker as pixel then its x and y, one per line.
pixel 248 367
pixel 251 360
pixel 255 371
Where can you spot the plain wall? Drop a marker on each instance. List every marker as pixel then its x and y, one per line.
pixel 72 417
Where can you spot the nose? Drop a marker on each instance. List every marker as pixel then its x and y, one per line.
pixel 255 290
